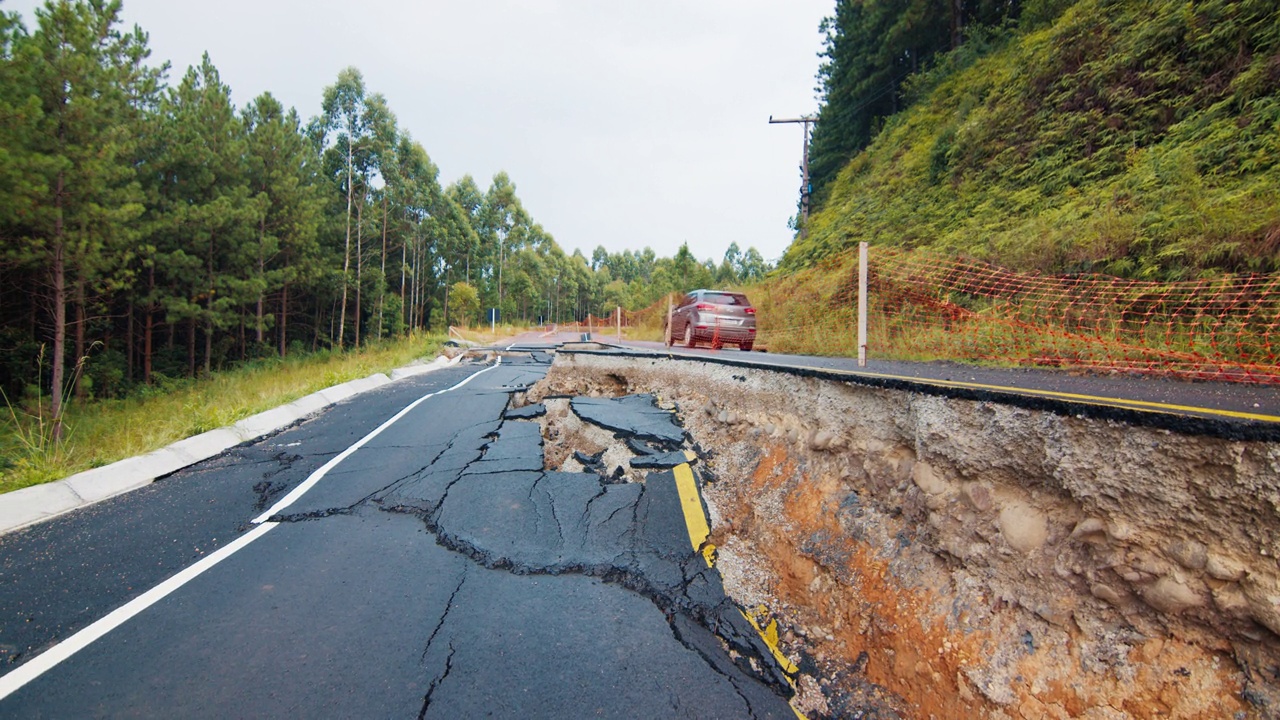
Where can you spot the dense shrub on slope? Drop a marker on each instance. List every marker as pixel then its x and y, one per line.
pixel 1135 137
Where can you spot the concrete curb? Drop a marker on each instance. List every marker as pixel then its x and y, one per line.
pixel 38 503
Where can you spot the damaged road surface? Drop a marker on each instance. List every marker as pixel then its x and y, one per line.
pixel 439 571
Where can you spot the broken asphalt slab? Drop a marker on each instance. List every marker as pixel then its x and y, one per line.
pixel 635 416
pixel 534 522
pixel 528 412
pixel 663 461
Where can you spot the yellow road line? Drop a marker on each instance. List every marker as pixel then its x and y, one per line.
pixel 1098 400
pixel 1140 405
pixel 694 519
pixel 770 636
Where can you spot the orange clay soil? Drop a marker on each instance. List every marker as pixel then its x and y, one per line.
pixel 909 649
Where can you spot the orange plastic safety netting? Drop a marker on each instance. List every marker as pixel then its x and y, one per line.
pixel 928 306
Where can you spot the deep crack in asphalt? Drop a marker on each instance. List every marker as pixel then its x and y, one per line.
pixel 489 509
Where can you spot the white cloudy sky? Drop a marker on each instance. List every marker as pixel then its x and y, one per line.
pixel 623 124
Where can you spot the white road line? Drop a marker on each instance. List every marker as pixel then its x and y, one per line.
pixel 38 665
pixel 316 476
pixel 42 663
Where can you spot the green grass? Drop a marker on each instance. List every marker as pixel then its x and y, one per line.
pixel 104 431
pixel 1136 139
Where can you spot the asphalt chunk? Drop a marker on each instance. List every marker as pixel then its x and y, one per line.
pixel 662 461
pixel 528 412
pixel 636 416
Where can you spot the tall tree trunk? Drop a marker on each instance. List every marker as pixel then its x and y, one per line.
pixel 191 346
pixel 319 322
pixel 129 342
pixel 208 304
pixel 413 289
pixel 262 274
pixel 208 348
pixel 382 278
pixel 33 319
pixel 80 346
pixel 404 309
pixel 59 310
pixel 957 23
pixel 359 264
pixel 416 280
pixel 149 330
pixel 284 315
pixel 346 252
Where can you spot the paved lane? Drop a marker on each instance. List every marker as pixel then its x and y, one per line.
pixel 436 571
pixel 58 576
pixel 1228 402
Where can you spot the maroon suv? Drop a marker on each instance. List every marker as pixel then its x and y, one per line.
pixel 715 317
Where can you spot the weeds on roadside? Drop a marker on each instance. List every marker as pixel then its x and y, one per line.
pixel 103 431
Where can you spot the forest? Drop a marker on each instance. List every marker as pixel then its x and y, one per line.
pixel 152 229
pixel 1133 138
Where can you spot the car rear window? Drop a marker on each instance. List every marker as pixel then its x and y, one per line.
pixel 725 299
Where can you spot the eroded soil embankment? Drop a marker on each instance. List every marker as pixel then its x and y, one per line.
pixel 978 559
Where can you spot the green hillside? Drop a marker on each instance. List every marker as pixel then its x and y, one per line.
pixel 1133 137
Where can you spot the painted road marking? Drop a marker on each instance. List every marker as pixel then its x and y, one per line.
pixel 47 660
pixel 319 474
pixel 1141 405
pixel 769 634
pixel 695 521
pixel 1150 406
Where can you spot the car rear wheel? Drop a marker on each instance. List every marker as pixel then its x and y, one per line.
pixel 688 336
pixel 745 347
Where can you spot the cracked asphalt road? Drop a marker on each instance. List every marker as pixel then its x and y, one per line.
pixel 438 571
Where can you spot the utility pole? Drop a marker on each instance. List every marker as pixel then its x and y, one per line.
pixel 805 188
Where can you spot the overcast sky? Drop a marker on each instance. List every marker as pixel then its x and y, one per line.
pixel 622 124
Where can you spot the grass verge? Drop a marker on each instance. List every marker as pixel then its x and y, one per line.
pixel 103 431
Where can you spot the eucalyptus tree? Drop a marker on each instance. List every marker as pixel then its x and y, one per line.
pixel 87 80
pixel 467 196
pixel 454 237
pixel 373 155
pixel 752 266
pixel 413 183
pixel 343 116
pixel 500 215
pixel 599 258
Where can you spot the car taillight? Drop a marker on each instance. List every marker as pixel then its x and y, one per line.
pixel 705 306
pixel 750 311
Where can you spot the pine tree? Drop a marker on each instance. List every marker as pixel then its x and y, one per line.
pixel 287 249
pixel 210 220
pixel 89 82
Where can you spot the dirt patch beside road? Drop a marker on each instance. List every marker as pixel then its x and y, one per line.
pixel 958 558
